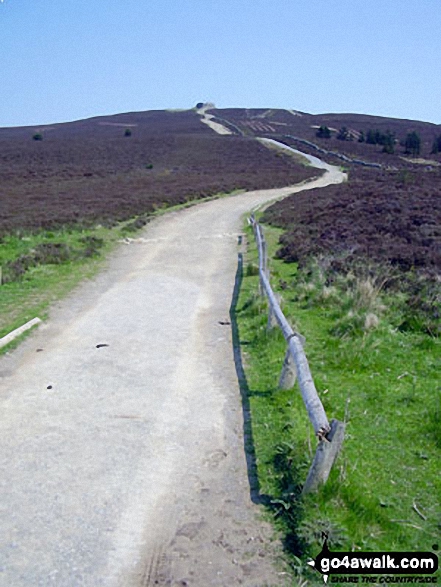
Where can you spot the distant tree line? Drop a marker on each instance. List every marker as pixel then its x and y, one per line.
pixel 323 132
pixel 436 147
pixel 411 144
pixel 376 137
pixel 344 134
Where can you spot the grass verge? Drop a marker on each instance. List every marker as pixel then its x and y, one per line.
pixel 39 268
pixel 384 491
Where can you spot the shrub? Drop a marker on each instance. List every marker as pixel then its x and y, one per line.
pixel 323 132
pixel 343 134
pixel 251 270
pixel 127 132
pixel 135 224
pixel 436 146
pixel 15 270
pixel 51 253
pixel 92 246
pixel 37 136
pixel 412 144
pixel 350 292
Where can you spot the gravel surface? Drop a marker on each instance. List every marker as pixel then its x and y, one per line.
pixel 121 454
pixel 207 119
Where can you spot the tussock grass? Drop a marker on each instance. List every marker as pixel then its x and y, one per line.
pixel 354 300
pixel 381 380
pixel 40 268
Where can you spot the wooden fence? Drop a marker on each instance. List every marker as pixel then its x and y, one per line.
pixel 295 366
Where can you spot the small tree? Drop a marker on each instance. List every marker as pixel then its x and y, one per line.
pixel 436 146
pixel 412 144
pixel 388 142
pixel 389 148
pixel 128 132
pixel 343 134
pixel 37 136
pixel 323 132
pixel 376 137
pixel 371 137
pixel 361 137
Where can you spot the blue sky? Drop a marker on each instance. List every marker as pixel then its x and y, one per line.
pixel 68 59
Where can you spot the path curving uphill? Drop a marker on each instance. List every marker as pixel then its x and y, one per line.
pixel 121 444
pixel 207 119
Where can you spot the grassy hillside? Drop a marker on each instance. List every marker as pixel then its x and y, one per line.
pixel 285 125
pixel 358 267
pixel 107 169
pixel 384 490
pixel 69 192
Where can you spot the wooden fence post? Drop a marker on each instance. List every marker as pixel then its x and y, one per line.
pixel 295 366
pixel 272 319
pixel 313 404
pixel 327 451
pixel 262 258
pixel 265 257
pixel 18 332
pixel 289 374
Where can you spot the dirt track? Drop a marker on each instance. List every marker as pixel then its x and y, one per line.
pixel 130 470
pixel 207 119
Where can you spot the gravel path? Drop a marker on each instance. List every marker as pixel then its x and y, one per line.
pixel 124 465
pixel 207 119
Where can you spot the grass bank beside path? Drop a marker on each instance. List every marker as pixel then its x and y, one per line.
pixel 39 268
pixel 384 491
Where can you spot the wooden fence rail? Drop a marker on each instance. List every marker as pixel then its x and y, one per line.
pixel 295 366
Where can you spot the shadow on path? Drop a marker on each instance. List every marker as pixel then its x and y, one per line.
pixel 287 505
pixel 249 448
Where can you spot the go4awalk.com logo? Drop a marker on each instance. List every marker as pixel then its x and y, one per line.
pixel 360 566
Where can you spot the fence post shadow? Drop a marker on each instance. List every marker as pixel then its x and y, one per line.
pixel 290 481
pixel 248 439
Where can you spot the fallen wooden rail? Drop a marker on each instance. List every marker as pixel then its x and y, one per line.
pixel 295 366
pixel 18 332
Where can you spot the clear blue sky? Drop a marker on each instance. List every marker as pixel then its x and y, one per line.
pixel 68 59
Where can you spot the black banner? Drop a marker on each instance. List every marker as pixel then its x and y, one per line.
pixel 374 563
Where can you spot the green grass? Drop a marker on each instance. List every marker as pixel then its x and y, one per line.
pixel 83 251
pixel 22 299
pixel 383 382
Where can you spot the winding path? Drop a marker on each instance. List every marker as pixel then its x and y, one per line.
pixel 207 119
pixel 123 465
